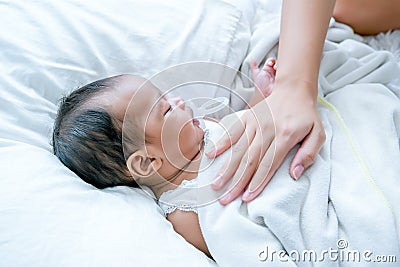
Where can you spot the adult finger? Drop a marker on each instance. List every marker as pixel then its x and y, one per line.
pixel 230 137
pixel 248 166
pixel 266 169
pixel 306 154
pixel 231 165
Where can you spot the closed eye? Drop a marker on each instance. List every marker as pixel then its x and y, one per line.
pixel 168 110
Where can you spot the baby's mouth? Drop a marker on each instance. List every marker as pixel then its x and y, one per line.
pixel 196 122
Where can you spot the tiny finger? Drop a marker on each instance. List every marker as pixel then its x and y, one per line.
pixel 253 64
pixel 270 62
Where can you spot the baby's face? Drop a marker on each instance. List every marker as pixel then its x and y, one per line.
pixel 169 128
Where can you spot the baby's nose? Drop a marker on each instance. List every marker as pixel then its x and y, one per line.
pixel 177 102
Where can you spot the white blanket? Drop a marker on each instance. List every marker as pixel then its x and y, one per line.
pixel 344 210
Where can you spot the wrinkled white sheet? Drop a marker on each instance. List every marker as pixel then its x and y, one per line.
pixel 48 216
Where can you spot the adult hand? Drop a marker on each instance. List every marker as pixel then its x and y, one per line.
pixel 263 137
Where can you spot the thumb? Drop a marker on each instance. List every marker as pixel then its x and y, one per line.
pixel 307 152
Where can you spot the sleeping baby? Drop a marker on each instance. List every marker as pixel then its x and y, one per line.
pixel 123 131
pixel 111 133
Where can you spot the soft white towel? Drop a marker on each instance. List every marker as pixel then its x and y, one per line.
pixel 344 210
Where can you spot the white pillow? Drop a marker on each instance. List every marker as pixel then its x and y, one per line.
pixel 48 216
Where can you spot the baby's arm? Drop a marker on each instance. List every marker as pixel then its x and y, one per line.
pixel 186 223
pixel 263 79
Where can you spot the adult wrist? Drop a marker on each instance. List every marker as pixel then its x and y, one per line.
pixel 297 87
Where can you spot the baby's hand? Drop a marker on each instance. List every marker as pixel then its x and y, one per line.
pixel 263 77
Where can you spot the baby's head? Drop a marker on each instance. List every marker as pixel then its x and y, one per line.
pixel 90 135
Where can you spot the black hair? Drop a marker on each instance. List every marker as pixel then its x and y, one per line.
pixel 88 140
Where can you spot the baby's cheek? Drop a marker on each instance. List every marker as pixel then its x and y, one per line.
pixel 187 141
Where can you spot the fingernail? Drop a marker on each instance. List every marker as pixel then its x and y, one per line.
pixel 226 199
pixel 298 171
pixel 247 194
pixel 217 181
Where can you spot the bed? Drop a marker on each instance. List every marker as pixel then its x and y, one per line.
pixel 48 216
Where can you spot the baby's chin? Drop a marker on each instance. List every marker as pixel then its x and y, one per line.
pixel 202 136
pixel 200 140
pixel 201 143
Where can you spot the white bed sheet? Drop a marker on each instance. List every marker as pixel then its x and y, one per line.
pixel 48 216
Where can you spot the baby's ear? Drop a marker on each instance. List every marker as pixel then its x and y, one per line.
pixel 140 165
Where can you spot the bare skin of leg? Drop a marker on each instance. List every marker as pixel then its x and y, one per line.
pixel 368 17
